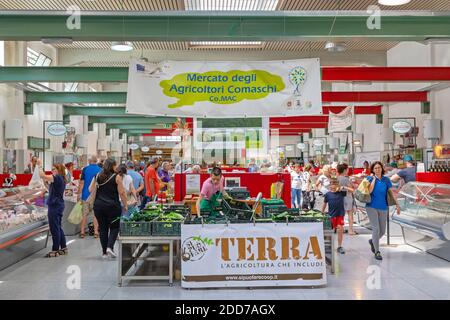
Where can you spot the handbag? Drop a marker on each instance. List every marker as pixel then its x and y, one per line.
pixel 93 193
pixel 390 198
pixel 131 201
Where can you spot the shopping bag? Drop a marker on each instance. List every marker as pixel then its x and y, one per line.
pixel 76 214
pixel 36 181
pixel 390 198
pixel 362 194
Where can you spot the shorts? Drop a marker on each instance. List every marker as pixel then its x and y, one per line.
pixel 87 208
pixel 348 203
pixel 337 221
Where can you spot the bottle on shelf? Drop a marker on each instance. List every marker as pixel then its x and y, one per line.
pixel 431 169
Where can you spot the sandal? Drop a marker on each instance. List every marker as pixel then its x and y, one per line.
pixel 354 233
pixel 96 235
pixel 82 235
pixel 63 252
pixel 52 254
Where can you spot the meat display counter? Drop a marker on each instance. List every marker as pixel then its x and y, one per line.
pixel 23 224
pixel 425 217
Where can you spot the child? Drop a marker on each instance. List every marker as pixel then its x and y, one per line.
pixel 335 200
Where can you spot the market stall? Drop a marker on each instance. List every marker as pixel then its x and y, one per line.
pixel 282 247
pixel 23 224
pixel 253 182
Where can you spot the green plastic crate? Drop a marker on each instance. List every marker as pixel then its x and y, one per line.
pixel 161 228
pixel 272 202
pixel 135 228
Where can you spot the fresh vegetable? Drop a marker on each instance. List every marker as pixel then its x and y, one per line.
pixel 171 217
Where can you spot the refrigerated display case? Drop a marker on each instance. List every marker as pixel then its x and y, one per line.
pixel 23 224
pixel 425 217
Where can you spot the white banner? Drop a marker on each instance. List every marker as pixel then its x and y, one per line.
pixel 340 121
pixel 248 255
pixel 370 157
pixel 225 89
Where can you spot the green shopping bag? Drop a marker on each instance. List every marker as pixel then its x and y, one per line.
pixel 76 214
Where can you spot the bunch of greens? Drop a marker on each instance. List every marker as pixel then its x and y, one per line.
pixel 170 217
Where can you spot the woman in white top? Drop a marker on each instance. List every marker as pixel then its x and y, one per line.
pixel 127 181
pixel 296 186
pixel 308 188
pixel 323 182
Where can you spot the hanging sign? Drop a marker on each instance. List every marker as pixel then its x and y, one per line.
pixel 134 146
pixel 340 121
pixel 249 255
pixel 56 129
pixel 217 89
pixel 318 143
pixel 401 127
pixel 159 152
pixel 145 149
pixel 301 146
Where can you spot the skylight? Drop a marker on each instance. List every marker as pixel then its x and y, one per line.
pixel 230 5
pixel 216 44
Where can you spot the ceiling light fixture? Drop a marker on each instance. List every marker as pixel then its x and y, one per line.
pixel 121 46
pixel 56 40
pixel 393 2
pixel 335 46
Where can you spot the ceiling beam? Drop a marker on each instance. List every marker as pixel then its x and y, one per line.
pixel 94 111
pixel 403 74
pixel 129 126
pixel 375 96
pixel 131 120
pixel 120 74
pixel 298 126
pixel 327 96
pixel 222 26
pixel 63 74
pixel 75 97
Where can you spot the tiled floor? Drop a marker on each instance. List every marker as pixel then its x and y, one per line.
pixel 405 273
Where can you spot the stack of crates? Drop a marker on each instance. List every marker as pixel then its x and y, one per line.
pixel 237 208
pixel 163 228
pixel 135 228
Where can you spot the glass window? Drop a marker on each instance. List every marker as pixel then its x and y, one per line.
pixel 37 59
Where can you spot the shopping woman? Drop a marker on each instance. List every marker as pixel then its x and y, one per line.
pixel 377 209
pixel 308 196
pixel 164 175
pixel 128 185
pixel 323 182
pixel 55 203
pixel 107 208
pixel 296 186
pixel 366 168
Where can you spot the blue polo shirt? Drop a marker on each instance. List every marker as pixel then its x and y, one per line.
pixel 137 178
pixel 379 193
pixel 87 174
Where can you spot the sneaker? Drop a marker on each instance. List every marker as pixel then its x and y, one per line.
pixel 111 253
pixel 341 250
pixel 371 246
pixel 378 256
pixel 104 256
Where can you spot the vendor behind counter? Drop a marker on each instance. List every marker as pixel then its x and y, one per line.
pixel 211 190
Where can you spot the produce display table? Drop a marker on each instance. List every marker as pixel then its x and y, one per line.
pixel 135 252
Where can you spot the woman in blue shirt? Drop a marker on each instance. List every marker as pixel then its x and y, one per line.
pixel 377 209
pixel 55 203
